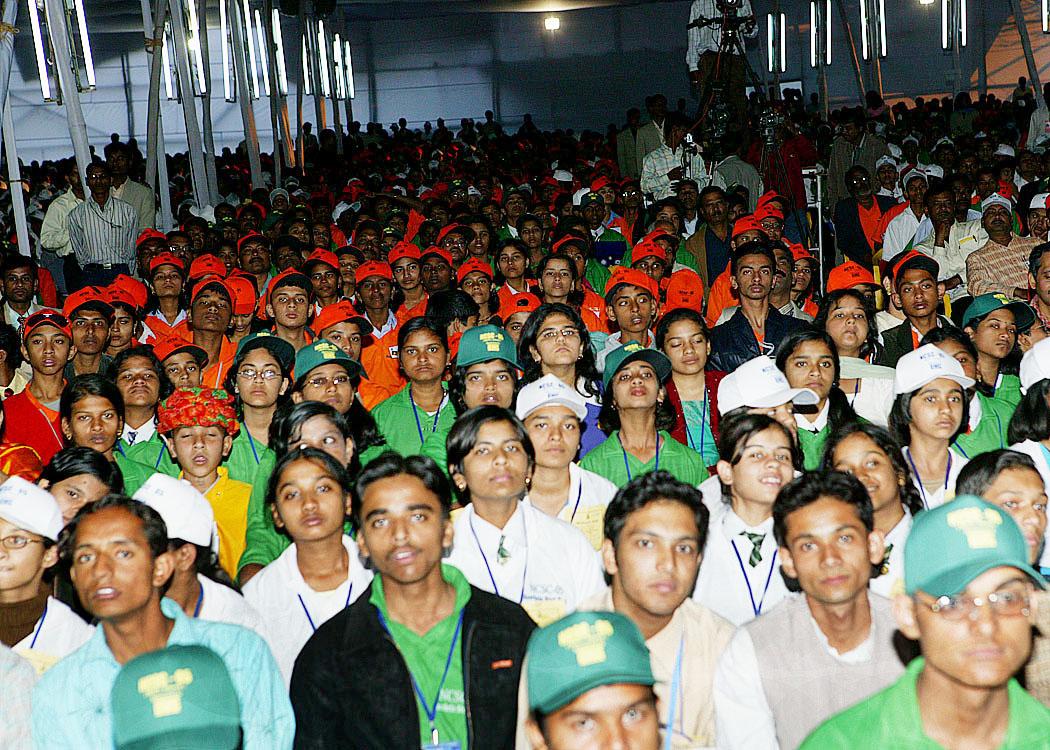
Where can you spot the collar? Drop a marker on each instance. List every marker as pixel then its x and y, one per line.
pixel 97 649
pixel 450 574
pixel 819 422
pixel 733 524
pixel 513 534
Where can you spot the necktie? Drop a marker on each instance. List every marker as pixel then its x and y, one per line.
pixel 756 547
pixel 131 437
pixel 502 553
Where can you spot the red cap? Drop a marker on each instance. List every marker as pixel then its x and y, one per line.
pixel 205 265
pixel 569 239
pixel 151 234
pixel 168 259
pixel 91 297
pixel 470 266
pixel 373 268
pixel 770 210
pixel 321 255
pixel 173 344
pixel 289 277
pixel 647 249
pixel 211 281
pixel 46 317
pixel 601 182
pixel 766 198
pixel 445 255
pixel 403 250
pixel 244 295
pixel 658 234
pixel 685 289
pixel 747 224
pixel 133 288
pixel 516 303
pixel 340 312
pixel 849 275
pixel 251 236
pixel 622 276
pixel 451 228
pixel 118 296
pixel 800 252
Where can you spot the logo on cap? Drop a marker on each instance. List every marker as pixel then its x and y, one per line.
pixel 632 347
pixel 326 350
pixel 164 691
pixel 491 340
pixel 979 525
pixel 587 641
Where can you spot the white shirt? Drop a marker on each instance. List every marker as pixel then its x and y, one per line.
pixel 871 396
pixel 819 421
pixel 589 496
pixel 551 568
pixel 391 323
pixel 292 610
pixel 945 490
pixel 223 604
pixel 142 433
pixel 15 318
pixel 58 633
pixel 1035 450
pixel 725 579
pixel 892 581
pixel 899 232
pixel 743 717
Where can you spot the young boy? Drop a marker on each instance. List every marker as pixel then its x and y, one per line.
pixel 197 425
pixel 289 304
pixel 90 317
pixel 633 304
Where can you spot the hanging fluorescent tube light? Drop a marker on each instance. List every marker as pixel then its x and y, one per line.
pixel 193 43
pixel 827 32
pixel 227 61
pixel 946 36
pixel 41 56
pixel 770 39
pixel 260 30
pixel 882 27
pixel 249 42
pixel 278 41
pixel 337 64
pixel 1044 8
pixel 307 77
pixel 349 63
pixel 776 49
pixel 322 51
pixel 962 22
pixel 85 43
pixel 165 61
pixel 865 30
pixel 814 34
pixel 820 32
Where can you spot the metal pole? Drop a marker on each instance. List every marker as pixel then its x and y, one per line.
pixel 956 38
pixel 300 145
pixel 275 92
pixel 337 119
pixel 156 163
pixel 57 30
pixel 982 61
pixel 1026 44
pixel 244 94
pixel 209 129
pixel 195 145
pixel 14 173
pixel 853 48
pixel 315 75
pixel 7 48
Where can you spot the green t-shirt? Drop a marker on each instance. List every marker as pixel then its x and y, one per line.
pixel 436 447
pixel 991 431
pixel 405 426
pixel 812 444
pixel 135 473
pixel 891 719
pixel 154 454
pixel 426 657
pixel 1009 390
pixel 610 460
pixel 249 461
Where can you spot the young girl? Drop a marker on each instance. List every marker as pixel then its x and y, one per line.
pixel 636 415
pixel 993 322
pixel 928 413
pixel 803 283
pixel 683 336
pixel 559 284
pixel 512 262
pixel 848 317
pixel 808 360
pixel 475 278
pixel 740 576
pixel 320 573
pixel 555 341
pixel 870 453
pixel 78 476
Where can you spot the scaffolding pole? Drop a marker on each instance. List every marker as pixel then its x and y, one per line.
pixel 57 30
pixel 244 94
pixel 156 163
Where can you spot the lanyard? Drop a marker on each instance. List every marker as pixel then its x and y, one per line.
pixel 252 444
pixel 947 473
pixel 579 495
pixel 307 612
pixel 484 558
pixel 676 698
pixel 200 601
pixel 703 426
pixel 431 711
pixel 415 413
pixel 39 627
pixel 757 609
pixel 160 455
pixel 624 451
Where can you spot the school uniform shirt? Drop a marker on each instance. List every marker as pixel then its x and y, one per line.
pixel 152 453
pixel 987 428
pixel 944 489
pixel 610 460
pixel 229 501
pixel 551 567
pixel 220 603
pixel 58 633
pixel 248 457
pixel 1041 458
pixel 812 434
pixel 872 395
pixel 891 580
pixel 406 426
pixel 379 359
pixel 292 609
pixel 728 584
pixel 30 422
pixel 132 436
pixel 589 496
pixel 135 474
pixel 156 327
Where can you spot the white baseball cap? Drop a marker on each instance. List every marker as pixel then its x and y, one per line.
pixel 886 160
pixel 1035 365
pixel 30 507
pixel 913 173
pixel 996 199
pixel 1039 201
pixel 924 365
pixel 549 390
pixel 186 513
pixel 759 384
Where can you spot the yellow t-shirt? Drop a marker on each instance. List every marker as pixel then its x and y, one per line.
pixel 229 502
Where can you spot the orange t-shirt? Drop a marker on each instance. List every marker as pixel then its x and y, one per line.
pixel 869 222
pixel 372 394
pixel 405 314
pixel 720 297
pixel 215 373
pixel 381 363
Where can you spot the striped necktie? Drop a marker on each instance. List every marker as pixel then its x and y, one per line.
pixel 756 547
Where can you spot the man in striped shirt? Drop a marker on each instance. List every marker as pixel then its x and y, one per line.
pixel 102 230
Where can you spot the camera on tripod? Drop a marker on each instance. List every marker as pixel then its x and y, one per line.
pixel 729 7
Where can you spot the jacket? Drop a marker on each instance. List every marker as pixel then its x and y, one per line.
pixel 897 342
pixel 340 703
pixel 733 343
pixel 849 234
pixel 712 378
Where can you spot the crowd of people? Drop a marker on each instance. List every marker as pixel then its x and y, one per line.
pixel 549 440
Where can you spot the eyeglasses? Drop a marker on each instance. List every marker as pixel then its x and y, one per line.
pixel 1010 603
pixel 323 382
pixel 552 333
pixel 17 541
pixel 250 373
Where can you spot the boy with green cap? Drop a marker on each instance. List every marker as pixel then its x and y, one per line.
pixel 968 586
pixel 590 684
pixel 993 321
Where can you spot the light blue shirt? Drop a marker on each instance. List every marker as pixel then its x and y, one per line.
pixel 71 702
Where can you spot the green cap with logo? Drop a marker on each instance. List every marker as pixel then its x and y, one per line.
pixel 631 352
pixel 281 350
pixel 983 304
pixel 583 651
pixel 954 543
pixel 178 697
pixel 484 344
pixel 323 352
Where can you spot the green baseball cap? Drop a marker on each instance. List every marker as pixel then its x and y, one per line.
pixel 983 304
pixel 323 352
pixel 484 344
pixel 583 651
pixel 281 350
pixel 630 352
pixel 178 697
pixel 954 543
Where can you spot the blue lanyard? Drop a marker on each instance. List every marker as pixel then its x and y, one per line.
pixel 415 413
pixel 39 627
pixel 579 495
pixel 200 601
pixel 431 711
pixel 947 473
pixel 675 699
pixel 252 444
pixel 160 455
pixel 484 559
pixel 703 425
pixel 624 451
pixel 757 609
pixel 305 610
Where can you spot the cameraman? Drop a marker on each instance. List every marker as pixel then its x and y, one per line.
pixel 705 35
pixel 677 158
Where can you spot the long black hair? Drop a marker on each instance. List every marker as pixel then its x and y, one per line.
pixel 75 461
pixel 839 410
pixel 586 365
pixel 910 497
pixel 871 347
pixel 1031 419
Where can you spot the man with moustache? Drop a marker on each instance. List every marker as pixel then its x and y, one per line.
pixel 1002 264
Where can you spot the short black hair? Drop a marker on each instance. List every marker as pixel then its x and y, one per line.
pixel 811 487
pixel 423 323
pixel 451 305
pixel 736 429
pixel 76 461
pixel 1036 257
pixel 152 524
pixel 288 420
pixel 654 487
pixel 91 384
pixel 306 453
pixel 752 247
pixel 392 464
pixel 11 261
pixel 146 352
pixel 983 469
pixel 463 436
pixel 674 316
pixel 11 345
pixel 1031 419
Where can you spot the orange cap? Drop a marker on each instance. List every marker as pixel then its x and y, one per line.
pixel 244 296
pixel 622 275
pixel 211 281
pixel 207 264
pixel 133 288
pixel 647 249
pixel 321 255
pixel 470 266
pixel 92 297
pixel 172 344
pixel 373 268
pixel 340 312
pixel 685 289
pixel 521 302
pixel 747 224
pixel 169 259
pixel 849 275
pixel 403 250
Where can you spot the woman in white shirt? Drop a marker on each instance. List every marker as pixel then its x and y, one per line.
pixel 320 574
